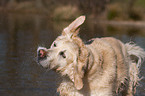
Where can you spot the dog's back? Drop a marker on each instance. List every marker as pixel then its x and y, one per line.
pixel 126 69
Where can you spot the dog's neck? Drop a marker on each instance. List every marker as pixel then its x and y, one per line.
pixel 91 60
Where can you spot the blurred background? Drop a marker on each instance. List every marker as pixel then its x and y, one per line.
pixel 27 24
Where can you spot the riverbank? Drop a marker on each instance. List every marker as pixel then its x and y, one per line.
pixel 113 11
pixel 135 24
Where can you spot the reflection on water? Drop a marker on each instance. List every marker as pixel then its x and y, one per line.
pixel 20 35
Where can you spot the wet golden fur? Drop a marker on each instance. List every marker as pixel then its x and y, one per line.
pixel 102 68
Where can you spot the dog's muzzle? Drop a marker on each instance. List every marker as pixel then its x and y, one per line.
pixel 41 54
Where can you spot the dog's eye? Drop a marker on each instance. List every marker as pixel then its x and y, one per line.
pixel 62 53
pixel 54 45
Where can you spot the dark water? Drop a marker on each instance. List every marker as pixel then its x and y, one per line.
pixel 20 35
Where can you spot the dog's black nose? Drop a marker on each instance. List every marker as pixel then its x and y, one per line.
pixel 42 54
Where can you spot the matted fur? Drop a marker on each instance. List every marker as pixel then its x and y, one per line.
pixel 106 67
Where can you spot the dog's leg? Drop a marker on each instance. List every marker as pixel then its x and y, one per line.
pixel 67 88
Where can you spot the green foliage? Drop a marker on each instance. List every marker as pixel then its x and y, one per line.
pixel 112 14
pixel 114 11
pixel 66 12
pixel 134 15
pixel 140 3
pixel 117 11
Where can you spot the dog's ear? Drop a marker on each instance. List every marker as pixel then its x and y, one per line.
pixel 80 64
pixel 72 29
pixel 79 69
pixel 78 81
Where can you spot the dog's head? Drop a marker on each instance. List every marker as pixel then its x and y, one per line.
pixel 67 54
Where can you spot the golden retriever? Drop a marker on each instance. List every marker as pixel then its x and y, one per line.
pixel 104 67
